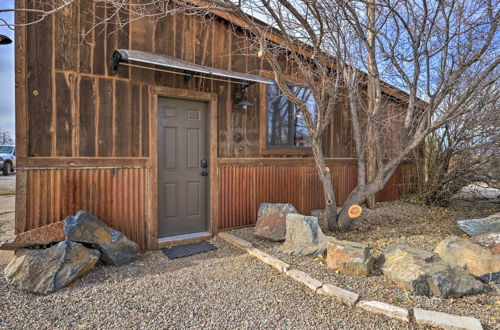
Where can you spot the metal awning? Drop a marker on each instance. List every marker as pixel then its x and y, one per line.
pixel 126 56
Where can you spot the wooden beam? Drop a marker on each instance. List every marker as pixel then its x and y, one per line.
pixel 70 162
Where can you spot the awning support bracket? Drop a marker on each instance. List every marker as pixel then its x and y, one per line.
pixel 188 75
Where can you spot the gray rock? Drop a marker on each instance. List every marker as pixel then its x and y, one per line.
pixel 476 227
pixel 115 247
pixel 424 274
pixel 477 260
pixel 271 221
pixel 47 270
pixel 304 236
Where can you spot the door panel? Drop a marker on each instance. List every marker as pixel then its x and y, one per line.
pixel 182 145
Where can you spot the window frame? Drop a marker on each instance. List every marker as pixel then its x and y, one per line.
pixel 266 149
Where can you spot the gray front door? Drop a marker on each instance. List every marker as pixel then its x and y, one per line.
pixel 182 173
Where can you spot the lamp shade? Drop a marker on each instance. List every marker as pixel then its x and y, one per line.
pixel 4 40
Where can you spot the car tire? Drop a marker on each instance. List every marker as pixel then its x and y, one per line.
pixel 7 168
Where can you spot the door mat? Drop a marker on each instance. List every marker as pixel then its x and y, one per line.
pixel 187 250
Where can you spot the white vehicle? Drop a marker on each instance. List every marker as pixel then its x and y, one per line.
pixel 7 159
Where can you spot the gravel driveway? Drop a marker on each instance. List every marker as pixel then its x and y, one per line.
pixel 7 184
pixel 225 288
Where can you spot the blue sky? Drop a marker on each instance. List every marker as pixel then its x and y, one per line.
pixel 7 91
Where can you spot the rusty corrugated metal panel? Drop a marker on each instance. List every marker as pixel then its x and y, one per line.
pixel 244 187
pixel 117 196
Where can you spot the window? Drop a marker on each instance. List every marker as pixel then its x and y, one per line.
pixel 6 149
pixel 285 126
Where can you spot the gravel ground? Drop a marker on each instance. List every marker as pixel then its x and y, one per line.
pixel 225 288
pixel 7 184
pixel 397 222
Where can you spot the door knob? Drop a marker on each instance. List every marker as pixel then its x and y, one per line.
pixel 204 173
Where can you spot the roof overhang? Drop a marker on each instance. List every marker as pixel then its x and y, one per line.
pixel 152 60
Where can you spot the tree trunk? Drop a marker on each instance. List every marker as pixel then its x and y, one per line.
pixel 356 197
pixel 373 102
pixel 371 166
pixel 360 193
pixel 326 180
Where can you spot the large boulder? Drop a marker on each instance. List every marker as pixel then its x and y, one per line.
pixel 349 258
pixel 39 236
pixel 271 221
pixel 422 273
pixel 489 241
pixel 477 260
pixel 116 248
pixel 476 227
pixel 304 236
pixel 47 270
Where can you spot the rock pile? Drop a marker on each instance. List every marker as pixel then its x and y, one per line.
pixel 477 260
pixel 83 240
pixel 424 274
pixel 271 221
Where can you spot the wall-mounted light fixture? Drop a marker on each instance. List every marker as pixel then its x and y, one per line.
pixel 4 40
pixel 241 98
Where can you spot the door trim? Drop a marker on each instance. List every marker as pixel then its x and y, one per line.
pixel 213 179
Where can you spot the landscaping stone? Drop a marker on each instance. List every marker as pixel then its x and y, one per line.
pixel 389 310
pixel 349 258
pixel 234 240
pixel 305 279
pixel 304 236
pixel 270 260
pixel 477 260
pixel 38 236
pixel 346 297
pixel 446 321
pixel 115 247
pixel 323 222
pixel 422 273
pixel 47 270
pixel 476 227
pixel 271 221
pixel 6 257
pixel 489 241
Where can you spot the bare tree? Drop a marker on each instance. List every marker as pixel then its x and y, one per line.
pixel 464 151
pixel 5 137
pixel 441 53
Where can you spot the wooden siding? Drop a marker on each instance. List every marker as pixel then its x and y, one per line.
pixel 119 197
pixel 74 107
pixel 244 186
pixel 84 137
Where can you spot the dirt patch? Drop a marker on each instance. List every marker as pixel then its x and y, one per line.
pixel 397 222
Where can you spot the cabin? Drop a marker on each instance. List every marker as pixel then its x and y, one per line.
pixel 167 129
